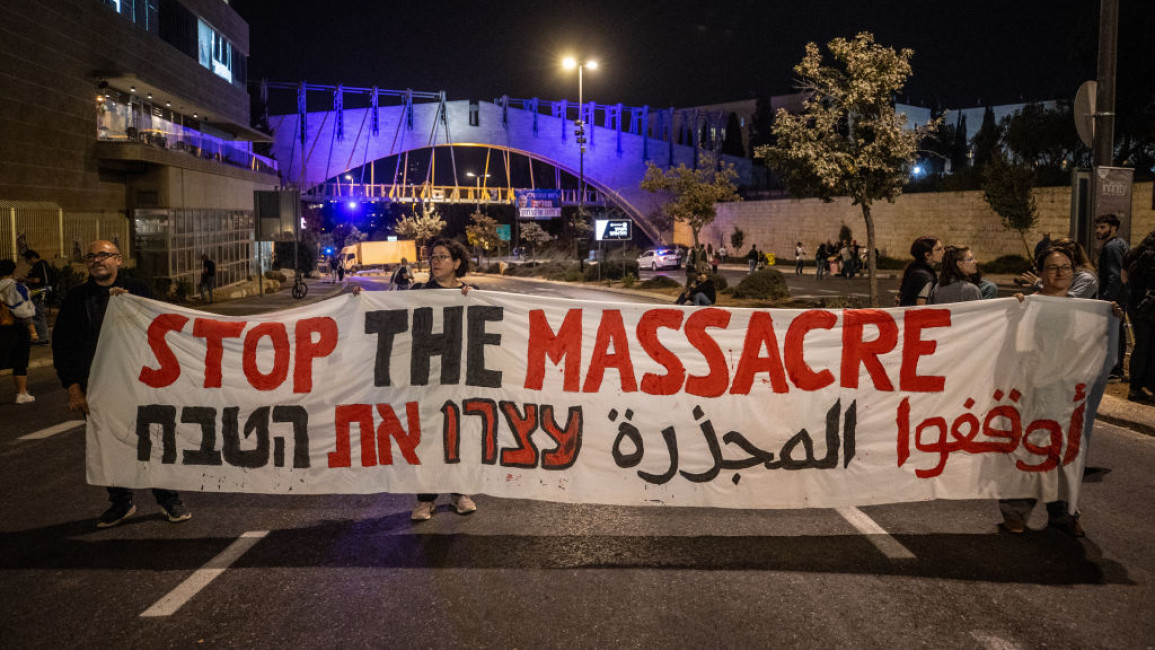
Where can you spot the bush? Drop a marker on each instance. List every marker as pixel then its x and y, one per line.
pixel 767 284
pixel 720 282
pixel 573 274
pixel 275 275
pixel 660 282
pixel 629 280
pixel 845 302
pixel 492 267
pixel 611 270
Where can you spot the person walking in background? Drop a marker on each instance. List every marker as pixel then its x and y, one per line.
pixel 820 255
pixel 73 346
pixel 208 279
pixel 1140 265
pixel 716 261
pixel 918 277
pixel 402 278
pixel 39 283
pixel 752 258
pixel 1111 284
pixel 799 255
pixel 17 331
pixel 954 285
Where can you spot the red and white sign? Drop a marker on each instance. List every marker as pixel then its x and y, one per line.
pixel 585 402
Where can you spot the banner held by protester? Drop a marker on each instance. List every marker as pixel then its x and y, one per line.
pixel 592 402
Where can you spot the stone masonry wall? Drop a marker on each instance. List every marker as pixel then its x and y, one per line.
pixel 954 217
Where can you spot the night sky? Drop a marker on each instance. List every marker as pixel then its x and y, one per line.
pixel 671 52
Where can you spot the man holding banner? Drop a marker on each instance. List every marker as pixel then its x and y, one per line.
pixel 74 344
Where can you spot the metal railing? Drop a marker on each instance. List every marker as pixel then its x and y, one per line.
pixel 437 193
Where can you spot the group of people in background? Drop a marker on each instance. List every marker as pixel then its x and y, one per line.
pixel 844 259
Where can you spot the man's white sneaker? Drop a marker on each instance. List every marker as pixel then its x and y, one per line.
pixel 423 511
pixel 24 398
pixel 463 504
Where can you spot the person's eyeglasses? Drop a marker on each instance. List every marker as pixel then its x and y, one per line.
pixel 99 257
pixel 1052 268
pixel 440 258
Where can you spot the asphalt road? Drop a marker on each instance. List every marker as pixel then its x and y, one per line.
pixel 353 571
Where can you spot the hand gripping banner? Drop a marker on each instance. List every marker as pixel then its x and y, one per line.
pixel 592 402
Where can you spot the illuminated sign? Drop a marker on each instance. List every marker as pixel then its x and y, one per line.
pixel 612 229
pixel 538 204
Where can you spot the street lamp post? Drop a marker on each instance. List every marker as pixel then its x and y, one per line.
pixel 477 194
pixel 569 63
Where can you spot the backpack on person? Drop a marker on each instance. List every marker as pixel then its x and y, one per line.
pixel 16 299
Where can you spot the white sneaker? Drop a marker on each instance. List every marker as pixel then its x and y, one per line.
pixel 24 398
pixel 463 504
pixel 423 511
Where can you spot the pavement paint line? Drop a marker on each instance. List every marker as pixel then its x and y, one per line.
pixel 192 585
pixel 877 535
pixel 53 430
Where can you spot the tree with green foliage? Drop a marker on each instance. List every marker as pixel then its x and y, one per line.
pixel 985 144
pixel 737 238
pixel 732 142
pixel 1042 138
pixel 1007 189
pixel 535 236
pixel 761 125
pixel 482 233
pixel 694 193
pixel 849 140
pixel 421 227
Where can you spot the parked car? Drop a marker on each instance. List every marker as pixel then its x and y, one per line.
pixel 660 258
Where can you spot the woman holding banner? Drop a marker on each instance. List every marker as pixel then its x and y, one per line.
pixel 448 262
pixel 1057 265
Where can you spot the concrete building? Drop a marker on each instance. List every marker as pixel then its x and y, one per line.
pixel 128 120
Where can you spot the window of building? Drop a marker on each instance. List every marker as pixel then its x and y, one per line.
pixel 214 51
pixel 141 12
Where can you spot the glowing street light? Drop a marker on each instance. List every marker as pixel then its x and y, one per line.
pixel 478 178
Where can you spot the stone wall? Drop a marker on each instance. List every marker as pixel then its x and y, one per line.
pixel 954 217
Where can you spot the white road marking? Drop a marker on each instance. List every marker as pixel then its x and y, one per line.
pixel 176 598
pixel 53 430
pixel 877 535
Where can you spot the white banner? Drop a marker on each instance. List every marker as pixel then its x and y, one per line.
pixel 586 402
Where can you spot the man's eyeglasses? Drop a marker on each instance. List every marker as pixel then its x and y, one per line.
pixel 99 257
pixel 440 258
